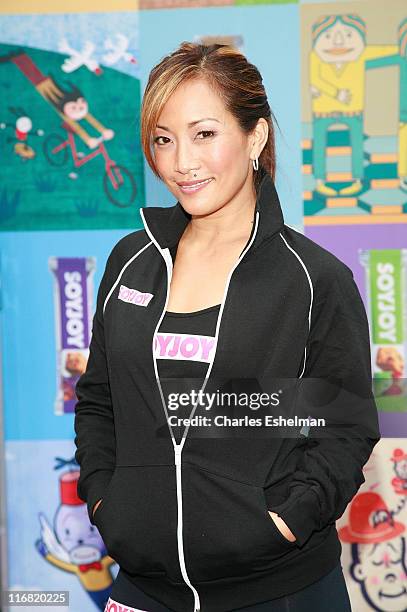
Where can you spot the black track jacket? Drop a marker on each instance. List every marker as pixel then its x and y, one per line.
pixel 188 523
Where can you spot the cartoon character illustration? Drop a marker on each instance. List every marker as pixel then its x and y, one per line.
pixel 399 482
pixel 400 59
pixel 72 101
pixel 72 106
pixel 73 544
pixel 378 552
pixel 118 182
pixel 337 80
pixel 22 130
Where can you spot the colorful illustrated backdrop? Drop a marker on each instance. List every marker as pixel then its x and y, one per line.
pixel 354 65
pixel 373 533
pixel 77 71
pixel 69 122
pixel 45 535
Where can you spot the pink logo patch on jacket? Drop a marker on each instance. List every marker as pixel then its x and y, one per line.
pixel 133 296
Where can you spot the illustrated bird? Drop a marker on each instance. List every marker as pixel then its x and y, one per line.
pixel 118 50
pixel 77 59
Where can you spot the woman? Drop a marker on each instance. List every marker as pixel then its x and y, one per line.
pixel 214 516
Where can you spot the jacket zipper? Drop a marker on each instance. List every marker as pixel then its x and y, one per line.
pixel 165 253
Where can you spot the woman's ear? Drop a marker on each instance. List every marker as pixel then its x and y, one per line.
pixel 260 136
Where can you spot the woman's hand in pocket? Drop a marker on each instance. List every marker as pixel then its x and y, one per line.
pixel 282 526
pixel 95 506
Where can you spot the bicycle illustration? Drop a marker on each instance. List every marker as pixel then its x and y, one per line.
pixel 72 106
pixel 118 182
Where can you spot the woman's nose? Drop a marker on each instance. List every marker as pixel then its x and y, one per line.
pixel 184 160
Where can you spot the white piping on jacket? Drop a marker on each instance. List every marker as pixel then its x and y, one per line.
pixel 178 447
pixel 312 295
pixel 121 273
pixel 292 227
pixel 165 253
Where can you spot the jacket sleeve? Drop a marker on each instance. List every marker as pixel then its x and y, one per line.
pixel 94 424
pixel 338 370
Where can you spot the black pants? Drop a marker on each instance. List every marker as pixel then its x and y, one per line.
pixel 328 593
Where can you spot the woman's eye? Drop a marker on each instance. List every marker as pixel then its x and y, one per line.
pixel 157 139
pixel 205 132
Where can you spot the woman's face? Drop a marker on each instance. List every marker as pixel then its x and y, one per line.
pixel 195 134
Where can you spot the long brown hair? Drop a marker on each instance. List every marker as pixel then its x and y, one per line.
pixel 233 78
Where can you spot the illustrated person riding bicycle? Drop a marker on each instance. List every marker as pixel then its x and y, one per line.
pixel 72 106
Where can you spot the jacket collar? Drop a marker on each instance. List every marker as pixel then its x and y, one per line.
pixel 166 224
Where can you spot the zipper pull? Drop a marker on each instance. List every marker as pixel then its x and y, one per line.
pixel 177 451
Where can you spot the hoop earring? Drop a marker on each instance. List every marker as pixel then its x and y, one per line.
pixel 255 163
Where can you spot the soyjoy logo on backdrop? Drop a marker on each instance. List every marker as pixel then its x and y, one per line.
pixel 385 286
pixel 73 298
pixel 386 275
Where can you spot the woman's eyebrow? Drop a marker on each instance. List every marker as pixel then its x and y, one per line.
pixel 191 124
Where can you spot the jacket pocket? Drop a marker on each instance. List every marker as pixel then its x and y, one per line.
pixel 228 530
pixel 274 527
pixel 137 520
pixel 104 497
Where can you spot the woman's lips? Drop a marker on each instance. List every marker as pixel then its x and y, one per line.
pixel 196 187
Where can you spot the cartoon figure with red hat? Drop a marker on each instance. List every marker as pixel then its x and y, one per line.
pixel 74 544
pixel 399 482
pixel 378 552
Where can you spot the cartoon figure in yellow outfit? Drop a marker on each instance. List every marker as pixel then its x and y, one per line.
pixel 74 545
pixel 337 79
pixel 400 59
